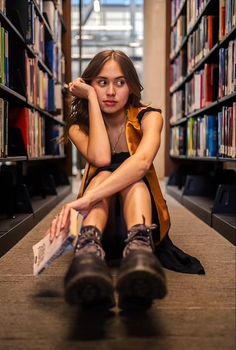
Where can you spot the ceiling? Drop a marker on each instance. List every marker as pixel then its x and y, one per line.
pixel 118 25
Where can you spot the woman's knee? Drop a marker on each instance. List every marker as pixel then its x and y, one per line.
pixel 98 179
pixel 133 188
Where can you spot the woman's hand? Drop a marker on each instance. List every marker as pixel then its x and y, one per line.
pixel 80 89
pixel 83 205
pixel 61 223
pixel 56 227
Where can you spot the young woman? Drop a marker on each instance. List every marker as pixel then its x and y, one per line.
pixel 119 137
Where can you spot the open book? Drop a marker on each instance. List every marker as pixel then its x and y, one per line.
pixel 45 251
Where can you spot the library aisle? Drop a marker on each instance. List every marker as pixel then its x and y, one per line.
pixel 198 313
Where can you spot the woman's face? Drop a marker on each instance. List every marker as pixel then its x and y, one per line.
pixel 111 88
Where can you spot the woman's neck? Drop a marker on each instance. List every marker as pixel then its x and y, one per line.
pixel 115 120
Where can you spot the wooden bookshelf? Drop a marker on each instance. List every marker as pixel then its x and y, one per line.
pixel 200 144
pixel 34 167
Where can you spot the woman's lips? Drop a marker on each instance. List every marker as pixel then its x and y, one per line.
pixel 110 103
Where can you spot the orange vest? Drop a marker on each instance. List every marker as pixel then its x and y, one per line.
pixel 133 137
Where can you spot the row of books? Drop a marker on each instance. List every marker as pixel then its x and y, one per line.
pixel 202 136
pixel 55 60
pixel 178 69
pixel 177 34
pixel 206 136
pixel 35 32
pixel 212 82
pixel 227 17
pixel 178 141
pixel 227 131
pixel 227 69
pixel 175 8
pixel 209 31
pixel 201 41
pixel 194 10
pixel 42 91
pixel 52 13
pixel 199 92
pixel 24 16
pixel 26 132
pixel 202 90
pixel 177 106
pixel 4 56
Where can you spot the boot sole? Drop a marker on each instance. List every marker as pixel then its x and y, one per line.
pixel 139 286
pixel 90 290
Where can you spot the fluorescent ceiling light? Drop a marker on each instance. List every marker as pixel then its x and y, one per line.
pixel 134 44
pixel 96 6
pixel 108 27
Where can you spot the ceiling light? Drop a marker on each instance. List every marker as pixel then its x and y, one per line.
pixel 107 27
pixel 96 6
pixel 134 44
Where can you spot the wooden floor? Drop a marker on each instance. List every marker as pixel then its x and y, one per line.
pixel 198 313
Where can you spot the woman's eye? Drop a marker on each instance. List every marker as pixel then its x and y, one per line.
pixel 102 82
pixel 120 82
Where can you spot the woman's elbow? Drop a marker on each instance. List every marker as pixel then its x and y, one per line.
pixel 145 165
pixel 102 161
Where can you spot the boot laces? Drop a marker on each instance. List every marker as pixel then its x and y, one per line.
pixel 140 237
pixel 89 242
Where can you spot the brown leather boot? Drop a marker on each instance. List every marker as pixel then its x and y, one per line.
pixel 88 281
pixel 141 278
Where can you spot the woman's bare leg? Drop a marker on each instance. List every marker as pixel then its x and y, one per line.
pixel 98 215
pixel 141 279
pixel 137 204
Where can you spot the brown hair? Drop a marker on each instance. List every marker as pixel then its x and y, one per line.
pixel 79 106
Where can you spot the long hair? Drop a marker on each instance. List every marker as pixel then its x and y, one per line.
pixel 79 107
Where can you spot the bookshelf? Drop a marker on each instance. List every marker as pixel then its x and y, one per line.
pixel 35 65
pixel 201 113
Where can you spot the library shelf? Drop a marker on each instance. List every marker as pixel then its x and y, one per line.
pixel 203 12
pixel 13 159
pixel 228 37
pixel 175 192
pixel 177 51
pixel 45 113
pixel 13 229
pixel 45 67
pixel 178 121
pixel 206 185
pixel 200 206
pixel 179 13
pixel 204 207
pixel 5 90
pixel 214 105
pixel 226 225
pixel 178 85
pixel 204 159
pixel 46 157
pixel 31 185
pixel 43 19
pixel 10 26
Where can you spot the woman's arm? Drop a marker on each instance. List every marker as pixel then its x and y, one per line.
pixel 94 147
pixel 132 170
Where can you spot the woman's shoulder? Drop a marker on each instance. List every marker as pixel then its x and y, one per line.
pixel 139 112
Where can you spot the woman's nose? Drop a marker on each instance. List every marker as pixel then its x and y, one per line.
pixel 111 89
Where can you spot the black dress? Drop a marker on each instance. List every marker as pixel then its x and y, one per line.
pixel 114 236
